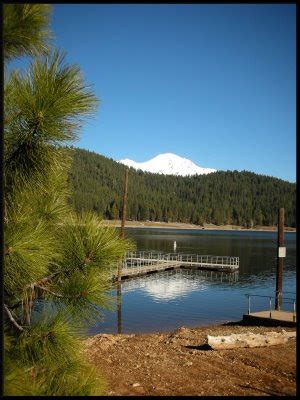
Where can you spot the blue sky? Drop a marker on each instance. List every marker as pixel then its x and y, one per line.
pixel 212 83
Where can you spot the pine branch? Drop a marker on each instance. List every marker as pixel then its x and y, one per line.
pixel 11 318
pixel 11 118
pixel 43 280
pixel 38 285
pixel 82 293
pixel 5 212
pixel 49 291
pixel 46 279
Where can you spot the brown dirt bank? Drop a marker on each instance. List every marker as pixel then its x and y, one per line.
pixel 177 363
pixel 181 225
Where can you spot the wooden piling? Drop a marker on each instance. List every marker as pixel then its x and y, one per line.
pixel 124 204
pixel 122 234
pixel 119 302
pixel 280 258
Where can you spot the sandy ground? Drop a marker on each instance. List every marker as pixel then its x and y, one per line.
pixel 178 363
pixel 180 225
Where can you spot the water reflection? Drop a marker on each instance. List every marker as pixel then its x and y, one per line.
pixel 170 285
pixel 166 300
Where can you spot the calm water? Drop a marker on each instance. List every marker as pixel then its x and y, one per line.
pixel 167 300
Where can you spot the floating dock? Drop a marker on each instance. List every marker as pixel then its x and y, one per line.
pixel 148 262
pixel 271 318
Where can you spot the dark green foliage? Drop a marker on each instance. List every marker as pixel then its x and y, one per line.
pixel 58 265
pixel 48 359
pixel 43 109
pixel 224 197
pixel 26 29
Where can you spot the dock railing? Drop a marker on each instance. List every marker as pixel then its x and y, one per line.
pixel 288 300
pixel 147 258
pixel 145 262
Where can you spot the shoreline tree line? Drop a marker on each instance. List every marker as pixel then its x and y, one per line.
pixel 224 197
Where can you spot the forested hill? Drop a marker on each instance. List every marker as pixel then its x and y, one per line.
pixel 224 197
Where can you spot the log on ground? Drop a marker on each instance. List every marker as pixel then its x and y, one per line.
pixel 248 340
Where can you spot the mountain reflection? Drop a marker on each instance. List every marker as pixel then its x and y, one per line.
pixel 171 285
pixel 164 301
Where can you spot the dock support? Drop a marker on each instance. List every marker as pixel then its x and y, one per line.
pixel 280 258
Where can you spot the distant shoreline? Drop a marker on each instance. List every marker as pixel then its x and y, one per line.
pixel 181 225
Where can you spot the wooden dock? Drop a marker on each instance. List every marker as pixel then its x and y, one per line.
pixel 272 318
pixel 148 262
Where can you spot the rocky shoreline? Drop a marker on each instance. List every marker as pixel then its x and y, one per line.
pixel 181 225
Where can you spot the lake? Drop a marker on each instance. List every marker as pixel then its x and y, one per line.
pixel 167 300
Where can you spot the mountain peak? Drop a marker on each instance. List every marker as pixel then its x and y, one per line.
pixel 168 164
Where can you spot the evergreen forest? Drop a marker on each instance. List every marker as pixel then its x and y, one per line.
pixel 224 197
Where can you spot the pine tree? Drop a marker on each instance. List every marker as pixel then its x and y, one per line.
pixel 26 30
pixel 57 264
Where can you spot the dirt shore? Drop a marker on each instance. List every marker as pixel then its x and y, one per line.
pixel 178 363
pixel 181 225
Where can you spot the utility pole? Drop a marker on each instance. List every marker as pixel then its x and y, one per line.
pixel 280 258
pixel 123 222
pixel 124 203
pixel 119 302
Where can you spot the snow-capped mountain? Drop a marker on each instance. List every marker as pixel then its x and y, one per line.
pixel 168 164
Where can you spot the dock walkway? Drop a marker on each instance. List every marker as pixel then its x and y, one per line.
pixel 146 262
pixel 272 316
pixel 275 317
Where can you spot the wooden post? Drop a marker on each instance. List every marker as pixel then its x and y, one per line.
pixel 280 258
pixel 123 217
pixel 124 203
pixel 119 302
